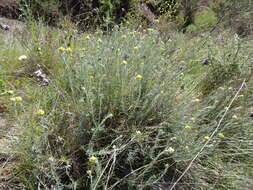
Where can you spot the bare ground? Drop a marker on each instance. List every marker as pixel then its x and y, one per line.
pixel 9 8
pixel 12 23
pixel 7 155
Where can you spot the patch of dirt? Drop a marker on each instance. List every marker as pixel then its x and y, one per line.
pixel 9 8
pixel 12 23
pixel 7 156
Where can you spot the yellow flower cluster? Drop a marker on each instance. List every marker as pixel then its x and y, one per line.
pixel 40 112
pixel 61 49
pixel 87 37
pixel 67 50
pixel 124 62
pixel 136 48
pixel 89 172
pixel 188 127
pixel 221 135
pixel 234 117
pixel 16 99
pixel 138 77
pixel 99 40
pixel 93 160
pixel 197 100
pixel 170 150
pixel 138 133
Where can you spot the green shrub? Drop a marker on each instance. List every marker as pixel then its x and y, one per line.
pixel 205 18
pixel 108 105
pixel 126 111
pixel 192 28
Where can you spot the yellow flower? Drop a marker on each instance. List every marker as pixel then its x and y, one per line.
pixel 188 127
pixel 138 133
pixel 234 117
pixel 221 135
pixel 136 48
pixel 124 62
pixel 41 112
pixel 22 58
pixel 138 77
pixel 17 99
pixel 61 49
pixel 87 37
pixel 99 40
pixel 51 159
pixel 206 138
pixel 170 150
pixel 197 100
pixel 93 160
pixel 69 50
pixel 118 50
pixel 89 172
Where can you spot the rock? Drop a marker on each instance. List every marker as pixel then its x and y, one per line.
pixel 10 24
pixel 206 62
pixel 42 77
pixel 4 27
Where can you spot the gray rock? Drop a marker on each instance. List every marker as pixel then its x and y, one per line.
pixel 4 27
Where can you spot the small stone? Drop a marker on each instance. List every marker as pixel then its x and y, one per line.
pixel 4 27
pixel 205 62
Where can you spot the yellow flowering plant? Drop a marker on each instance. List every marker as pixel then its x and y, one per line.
pixel 17 99
pixel 93 160
pixel 138 77
pixel 40 112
